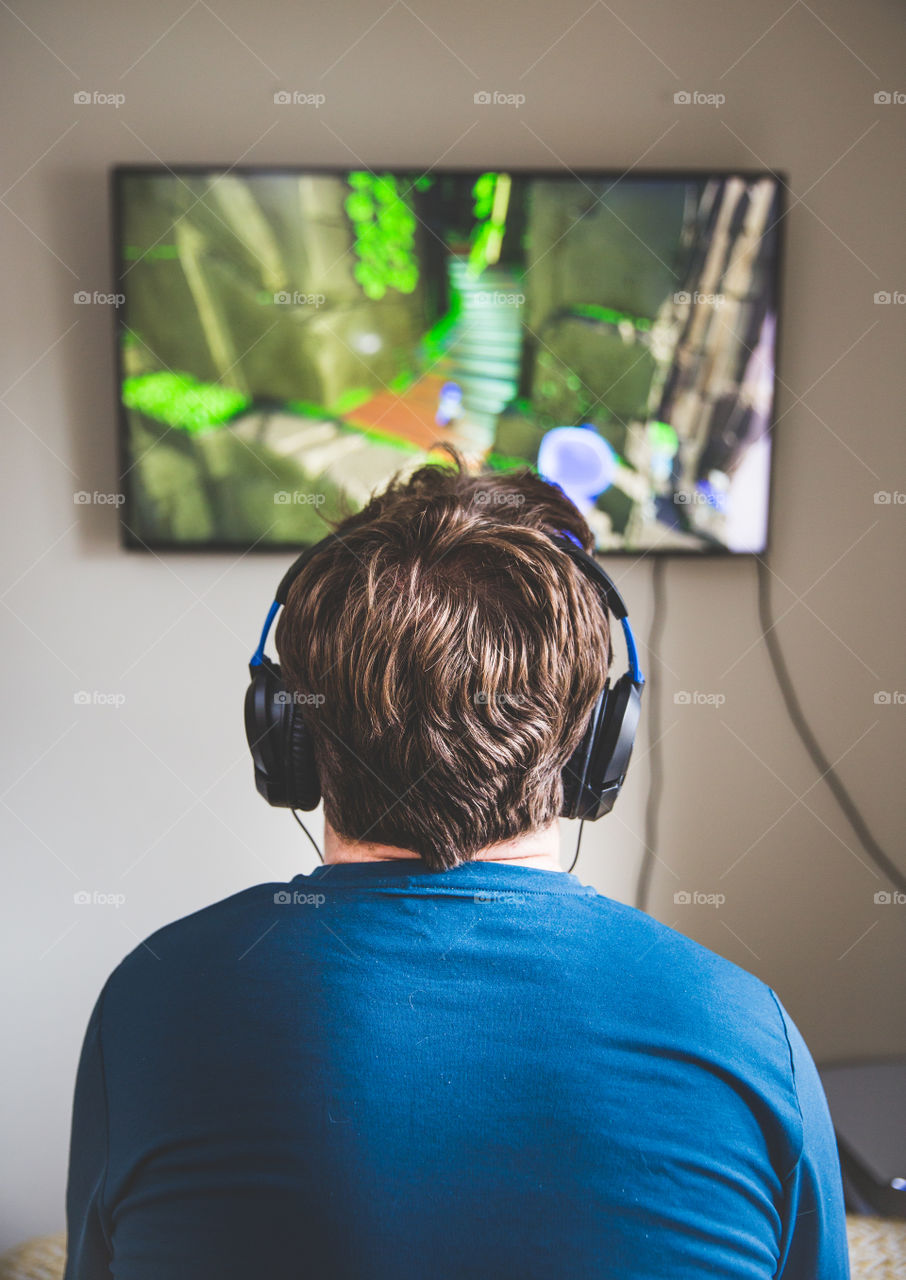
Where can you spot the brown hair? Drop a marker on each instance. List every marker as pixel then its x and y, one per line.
pixel 456 654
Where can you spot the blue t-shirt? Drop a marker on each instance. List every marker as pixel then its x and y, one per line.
pixel 377 1072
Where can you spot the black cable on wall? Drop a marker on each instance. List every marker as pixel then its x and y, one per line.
pixel 827 771
pixel 794 709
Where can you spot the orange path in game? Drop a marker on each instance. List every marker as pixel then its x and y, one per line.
pixel 409 415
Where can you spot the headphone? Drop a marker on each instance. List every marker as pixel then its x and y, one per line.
pixel 283 753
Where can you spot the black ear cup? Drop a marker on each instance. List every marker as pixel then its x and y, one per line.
pixel 594 773
pixel 575 772
pixel 285 770
pixel 611 752
pixel 303 785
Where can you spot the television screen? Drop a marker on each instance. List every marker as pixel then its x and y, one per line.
pixel 288 340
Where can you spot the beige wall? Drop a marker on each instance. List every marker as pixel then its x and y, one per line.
pixel 155 800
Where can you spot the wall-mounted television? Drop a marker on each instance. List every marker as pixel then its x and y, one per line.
pixel 288 339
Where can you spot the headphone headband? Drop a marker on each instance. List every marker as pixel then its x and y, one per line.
pixel 592 570
pixel 612 598
pixel 565 541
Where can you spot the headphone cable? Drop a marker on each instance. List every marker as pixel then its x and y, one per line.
pixel 578 846
pixel 308 833
pixel 827 771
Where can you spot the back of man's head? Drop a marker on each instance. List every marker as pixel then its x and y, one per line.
pixel 457 653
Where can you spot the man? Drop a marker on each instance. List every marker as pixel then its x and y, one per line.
pixel 439 1055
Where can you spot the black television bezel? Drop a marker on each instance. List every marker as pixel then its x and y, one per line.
pixel 131 541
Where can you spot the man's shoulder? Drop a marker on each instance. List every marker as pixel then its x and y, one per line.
pixel 200 938
pixel 647 938
pixel 677 972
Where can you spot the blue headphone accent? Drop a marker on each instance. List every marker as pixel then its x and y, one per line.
pixel 634 667
pixel 258 656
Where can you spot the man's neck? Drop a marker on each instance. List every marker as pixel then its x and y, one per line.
pixel 540 849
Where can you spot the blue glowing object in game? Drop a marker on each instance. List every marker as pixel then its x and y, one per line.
pixel 712 495
pixel 580 461
pixel 450 403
